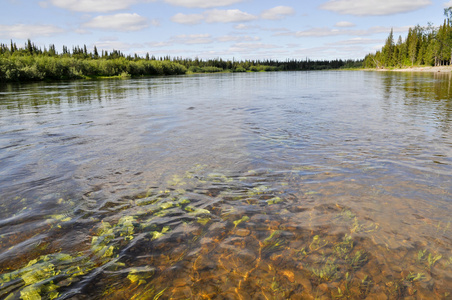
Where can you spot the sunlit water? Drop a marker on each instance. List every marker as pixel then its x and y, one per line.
pixel 280 185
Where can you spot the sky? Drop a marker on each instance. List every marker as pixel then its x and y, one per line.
pixel 229 29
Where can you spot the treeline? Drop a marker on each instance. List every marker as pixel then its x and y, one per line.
pixel 428 45
pixel 32 63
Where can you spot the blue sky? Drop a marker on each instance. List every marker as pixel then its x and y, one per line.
pixel 240 29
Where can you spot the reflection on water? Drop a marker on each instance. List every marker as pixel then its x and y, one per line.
pixel 237 186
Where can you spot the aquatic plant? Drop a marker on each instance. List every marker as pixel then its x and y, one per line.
pixel 412 277
pixel 326 271
pixel 317 243
pixel 243 219
pixel 42 277
pixel 430 259
pixel 274 200
pixel 421 255
pixel 433 259
pixel 272 243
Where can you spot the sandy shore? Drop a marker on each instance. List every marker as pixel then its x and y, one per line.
pixel 441 69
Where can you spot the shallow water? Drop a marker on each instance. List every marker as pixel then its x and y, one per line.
pixel 279 185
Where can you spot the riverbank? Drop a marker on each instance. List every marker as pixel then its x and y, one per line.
pixel 426 69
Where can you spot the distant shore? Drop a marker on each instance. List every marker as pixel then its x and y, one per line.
pixel 427 69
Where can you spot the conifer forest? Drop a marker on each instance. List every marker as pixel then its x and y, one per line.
pixel 32 63
pixel 423 46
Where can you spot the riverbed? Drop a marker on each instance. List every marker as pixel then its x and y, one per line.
pixel 301 185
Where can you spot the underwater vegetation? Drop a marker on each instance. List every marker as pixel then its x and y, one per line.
pixel 204 235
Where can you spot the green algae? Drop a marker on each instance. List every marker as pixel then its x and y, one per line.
pixel 259 190
pixel 62 218
pixel 274 200
pixel 243 219
pixel 140 275
pixel 42 277
pixel 156 234
pixel 203 221
pixel 197 211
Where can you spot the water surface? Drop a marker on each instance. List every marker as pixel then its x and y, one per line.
pixel 228 186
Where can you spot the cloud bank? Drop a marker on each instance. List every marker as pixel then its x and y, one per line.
pixel 214 16
pixel 26 31
pixel 118 22
pixel 374 7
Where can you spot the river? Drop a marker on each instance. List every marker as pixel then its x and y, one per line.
pixel 273 185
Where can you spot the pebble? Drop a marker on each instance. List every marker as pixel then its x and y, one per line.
pixel 206 241
pixel 307 295
pixel 182 293
pixel 396 268
pixel 289 274
pixel 304 281
pixel 323 287
pixel 361 275
pixel 275 256
pixel 274 225
pixel 404 273
pixel 246 256
pixel 180 282
pixel 205 263
pixel 355 291
pixel 379 296
pixel 298 297
pixel 242 232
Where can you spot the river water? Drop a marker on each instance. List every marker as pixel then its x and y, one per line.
pixel 300 185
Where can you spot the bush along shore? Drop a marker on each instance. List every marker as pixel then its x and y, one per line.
pixel 31 63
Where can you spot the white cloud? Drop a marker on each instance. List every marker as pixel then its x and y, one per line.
pixel 159 44
pixel 214 16
pixel 26 31
pixel 192 39
pixel 43 4
pixel 277 13
pixel 199 39
pixel 237 38
pixel 242 27
pixel 325 31
pixel 448 4
pixel 255 46
pixel 246 47
pixel 374 7
pixel 117 45
pixel 317 32
pixel 103 6
pixel 228 16
pixel 344 24
pixel 155 22
pixel 187 19
pixel 81 31
pixel 327 52
pixel 260 28
pixel 357 41
pixel 119 22
pixel 202 3
pixel 383 29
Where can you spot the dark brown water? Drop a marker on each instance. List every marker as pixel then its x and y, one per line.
pixel 280 185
